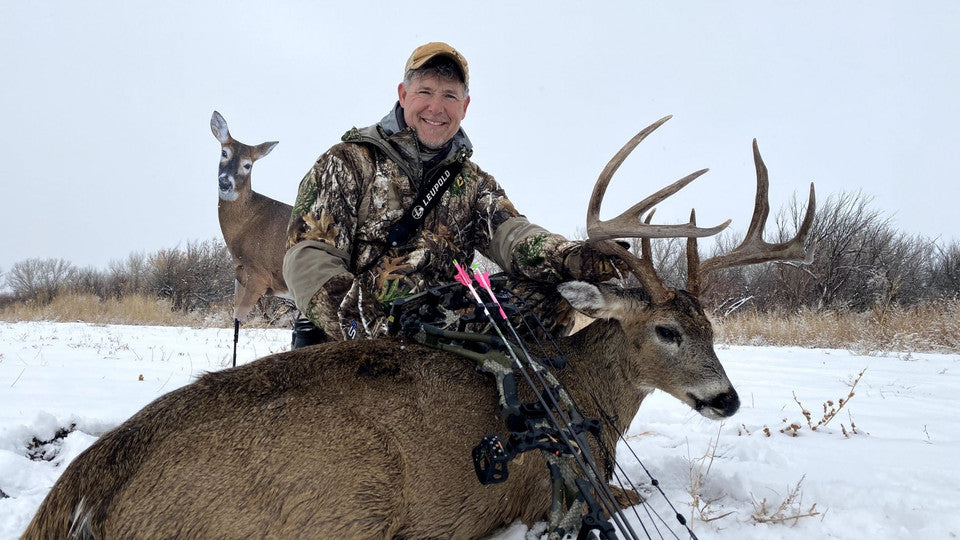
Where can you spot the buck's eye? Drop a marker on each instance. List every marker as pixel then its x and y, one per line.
pixel 223 154
pixel 669 335
pixel 247 166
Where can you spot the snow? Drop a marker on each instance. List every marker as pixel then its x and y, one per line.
pixel 892 476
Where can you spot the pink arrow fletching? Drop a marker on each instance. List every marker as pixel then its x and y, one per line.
pixel 484 280
pixel 462 276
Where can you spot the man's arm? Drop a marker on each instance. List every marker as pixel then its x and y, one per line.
pixel 523 248
pixel 320 233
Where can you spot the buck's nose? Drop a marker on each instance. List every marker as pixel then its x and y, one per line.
pixel 718 406
pixel 726 403
pixel 225 182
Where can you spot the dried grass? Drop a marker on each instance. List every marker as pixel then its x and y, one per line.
pixel 703 506
pixel 137 310
pixel 926 328
pixel 830 410
pixel 791 510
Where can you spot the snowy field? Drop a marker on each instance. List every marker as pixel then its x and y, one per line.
pixel 884 467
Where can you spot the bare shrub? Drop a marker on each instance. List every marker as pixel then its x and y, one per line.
pixel 945 271
pixel 861 261
pixel 38 280
pixel 195 277
pixel 703 504
pixel 87 281
pixel 790 510
pixel 830 410
pixel 130 276
pixel 670 259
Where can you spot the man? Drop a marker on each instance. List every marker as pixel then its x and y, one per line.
pixel 384 213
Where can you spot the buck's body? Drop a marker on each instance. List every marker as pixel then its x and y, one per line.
pixel 366 439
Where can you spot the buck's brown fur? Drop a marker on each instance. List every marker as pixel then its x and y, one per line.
pixel 364 439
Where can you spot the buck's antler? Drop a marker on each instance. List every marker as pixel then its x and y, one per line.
pixel 630 224
pixel 754 249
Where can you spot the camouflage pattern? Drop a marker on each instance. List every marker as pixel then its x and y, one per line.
pixel 346 205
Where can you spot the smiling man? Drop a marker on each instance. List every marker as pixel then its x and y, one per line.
pixel 384 213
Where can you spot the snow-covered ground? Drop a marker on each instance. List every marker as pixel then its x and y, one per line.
pixel 894 473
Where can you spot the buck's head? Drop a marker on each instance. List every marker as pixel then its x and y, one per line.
pixel 669 345
pixel 236 160
pixel 670 339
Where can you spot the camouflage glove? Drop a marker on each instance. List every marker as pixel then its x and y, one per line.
pixel 358 319
pixel 325 306
pixel 583 262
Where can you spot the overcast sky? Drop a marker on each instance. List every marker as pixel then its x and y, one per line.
pixel 105 106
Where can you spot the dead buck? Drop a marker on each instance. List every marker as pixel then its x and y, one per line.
pixel 254 226
pixel 372 439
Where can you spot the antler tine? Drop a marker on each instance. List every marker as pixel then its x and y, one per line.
pixel 628 224
pixel 646 250
pixel 754 249
pixel 640 267
pixel 693 260
pixel 600 188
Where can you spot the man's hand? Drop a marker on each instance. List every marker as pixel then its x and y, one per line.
pixel 584 262
pixel 325 306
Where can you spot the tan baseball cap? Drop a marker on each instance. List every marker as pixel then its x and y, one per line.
pixel 424 53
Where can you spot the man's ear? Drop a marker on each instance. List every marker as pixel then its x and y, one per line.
pixel 401 93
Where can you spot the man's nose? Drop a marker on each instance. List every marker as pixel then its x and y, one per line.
pixel 435 103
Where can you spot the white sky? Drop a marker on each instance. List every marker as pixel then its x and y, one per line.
pixel 105 106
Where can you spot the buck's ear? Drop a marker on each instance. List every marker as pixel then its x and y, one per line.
pixel 219 128
pixel 601 301
pixel 586 298
pixel 265 148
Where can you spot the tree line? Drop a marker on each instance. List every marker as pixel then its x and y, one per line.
pixel 193 277
pixel 860 262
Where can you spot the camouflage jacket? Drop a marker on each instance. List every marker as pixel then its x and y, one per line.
pixel 338 267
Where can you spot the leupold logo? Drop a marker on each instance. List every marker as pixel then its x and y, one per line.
pixel 417 212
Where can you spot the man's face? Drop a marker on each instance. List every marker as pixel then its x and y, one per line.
pixel 433 107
